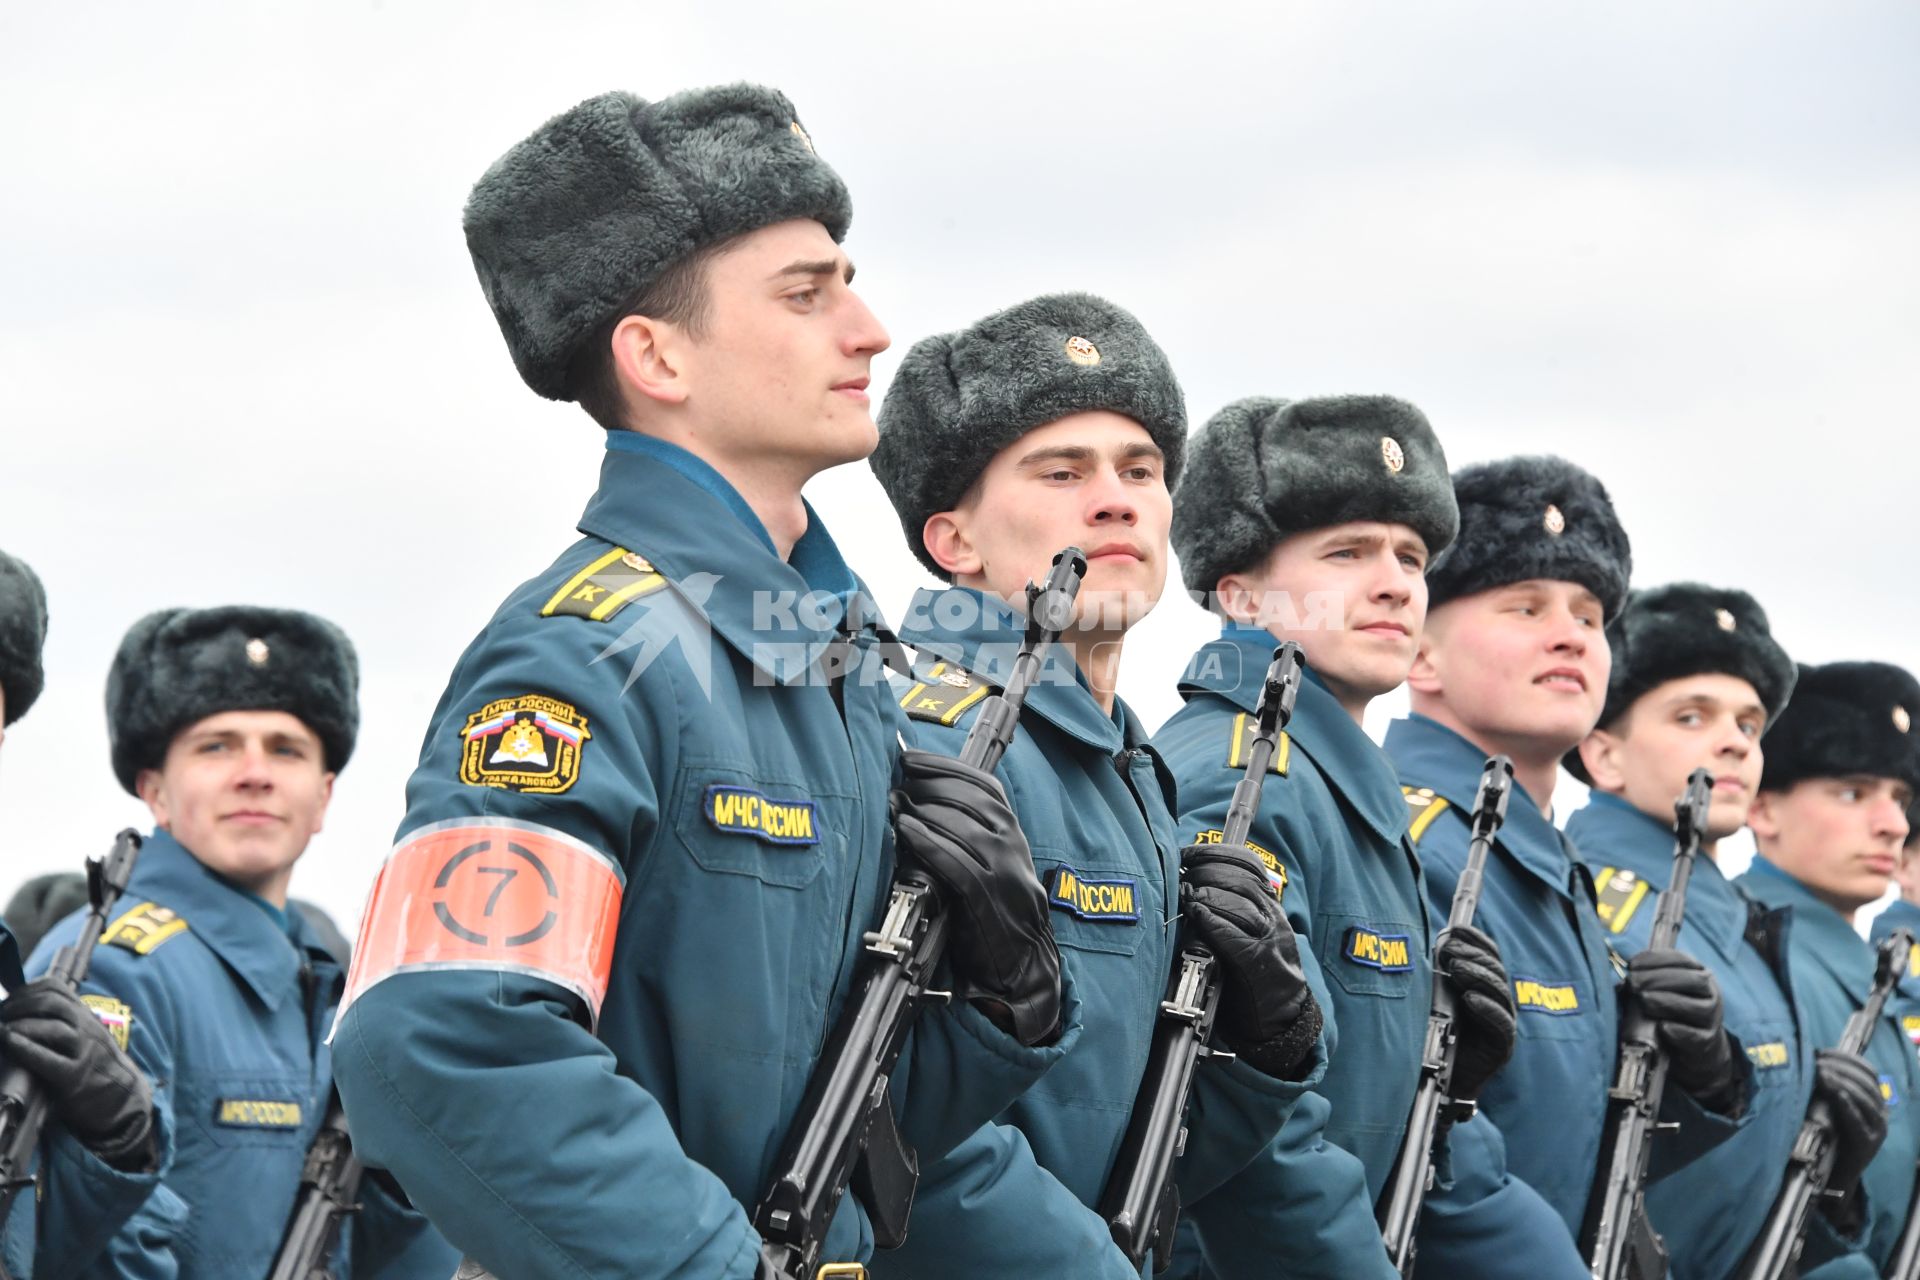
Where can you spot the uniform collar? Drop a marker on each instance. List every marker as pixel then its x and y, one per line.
pixel 663 503
pixel 1900 914
pixel 1428 754
pixel 1611 833
pixel 1235 668
pixel 1829 936
pixel 983 633
pixel 265 956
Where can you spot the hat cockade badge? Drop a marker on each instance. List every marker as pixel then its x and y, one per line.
pixel 257 651
pixel 1553 521
pixel 1725 618
pixel 1392 454
pixel 1901 720
pixel 1080 351
pixel 801 134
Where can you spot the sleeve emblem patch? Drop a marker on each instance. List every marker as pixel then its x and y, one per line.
pixel 1620 895
pixel 529 744
pixel 1911 1025
pixel 1888 1092
pixel 492 893
pixel 1276 870
pixel 743 811
pixel 1557 998
pixel 1110 900
pixel 1245 730
pixel 1387 952
pixel 116 1017
pixel 144 928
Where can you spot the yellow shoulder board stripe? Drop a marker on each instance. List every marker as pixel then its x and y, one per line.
pixel 1425 807
pixel 143 929
pixel 944 694
pixel 606 586
pixel 1245 730
pixel 1620 893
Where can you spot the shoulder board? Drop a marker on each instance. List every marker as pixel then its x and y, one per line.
pixel 1245 730
pixel 604 586
pixel 1424 807
pixel 1618 893
pixel 943 693
pixel 144 929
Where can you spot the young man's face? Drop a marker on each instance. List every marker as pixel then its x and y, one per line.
pixel 1521 664
pixel 1093 480
pixel 1711 722
pixel 780 374
pixel 1840 837
pixel 244 791
pixel 1353 595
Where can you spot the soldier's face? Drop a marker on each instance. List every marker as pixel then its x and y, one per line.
pixel 244 791
pixel 1524 666
pixel 1840 837
pixel 1711 722
pixel 1092 480
pixel 1354 596
pixel 779 378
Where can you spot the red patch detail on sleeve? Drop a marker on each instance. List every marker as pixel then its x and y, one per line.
pixel 491 893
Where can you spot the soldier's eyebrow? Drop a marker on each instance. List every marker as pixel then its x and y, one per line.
pixel 817 267
pixel 1056 453
pixel 1142 449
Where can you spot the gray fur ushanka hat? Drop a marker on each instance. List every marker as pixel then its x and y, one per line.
pixel 179 666
pixel 1528 518
pixel 1687 629
pixel 1846 718
pixel 960 398
pixel 23 634
pixel 571 223
pixel 1263 469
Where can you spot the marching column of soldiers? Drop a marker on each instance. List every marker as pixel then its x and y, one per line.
pixel 690 802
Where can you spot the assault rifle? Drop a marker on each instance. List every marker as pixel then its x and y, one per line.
pixel 1141 1202
pixel 1622 1242
pixel 23 1099
pixel 845 1131
pixel 1434 1106
pixel 1777 1250
pixel 329 1184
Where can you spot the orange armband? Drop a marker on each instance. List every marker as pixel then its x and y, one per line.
pixel 491 893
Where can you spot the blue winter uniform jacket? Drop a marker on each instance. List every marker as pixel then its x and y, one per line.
pixel 1018 1197
pixel 1708 1212
pixel 1332 820
pixel 1541 1118
pixel 657 709
pixel 1901 914
pixel 1832 968
pixel 227 1003
pixel 82 1198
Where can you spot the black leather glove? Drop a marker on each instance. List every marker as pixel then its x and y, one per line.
pixel 1267 1011
pixel 1682 999
pixel 1850 1087
pixel 94 1088
pixel 1483 999
pixel 953 821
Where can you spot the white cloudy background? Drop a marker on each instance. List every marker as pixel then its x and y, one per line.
pixel 243 356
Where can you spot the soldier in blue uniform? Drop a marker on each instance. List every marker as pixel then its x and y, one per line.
pixel 231 725
pixel 1514 660
pixel 1842 768
pixel 1315 521
pixel 653 800
pixel 1904 913
pixel 1697 678
pixel 102 1149
pixel 1058 422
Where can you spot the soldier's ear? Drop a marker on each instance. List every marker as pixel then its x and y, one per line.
pixel 1600 752
pixel 650 356
pixel 1424 675
pixel 146 784
pixel 1238 599
pixel 946 537
pixel 1762 818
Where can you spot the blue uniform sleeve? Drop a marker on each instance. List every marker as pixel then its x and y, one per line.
pixel 87 1200
pixel 1302 1199
pixel 392 1240
pixel 1235 1114
pixel 1478 1220
pixel 1695 1129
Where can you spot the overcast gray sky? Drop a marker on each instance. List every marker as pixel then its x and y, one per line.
pixel 243 356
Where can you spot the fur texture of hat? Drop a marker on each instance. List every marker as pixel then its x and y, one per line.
pixel 960 398
pixel 568 226
pixel 179 666
pixel 23 635
pixel 1523 519
pixel 1263 469
pixel 1846 719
